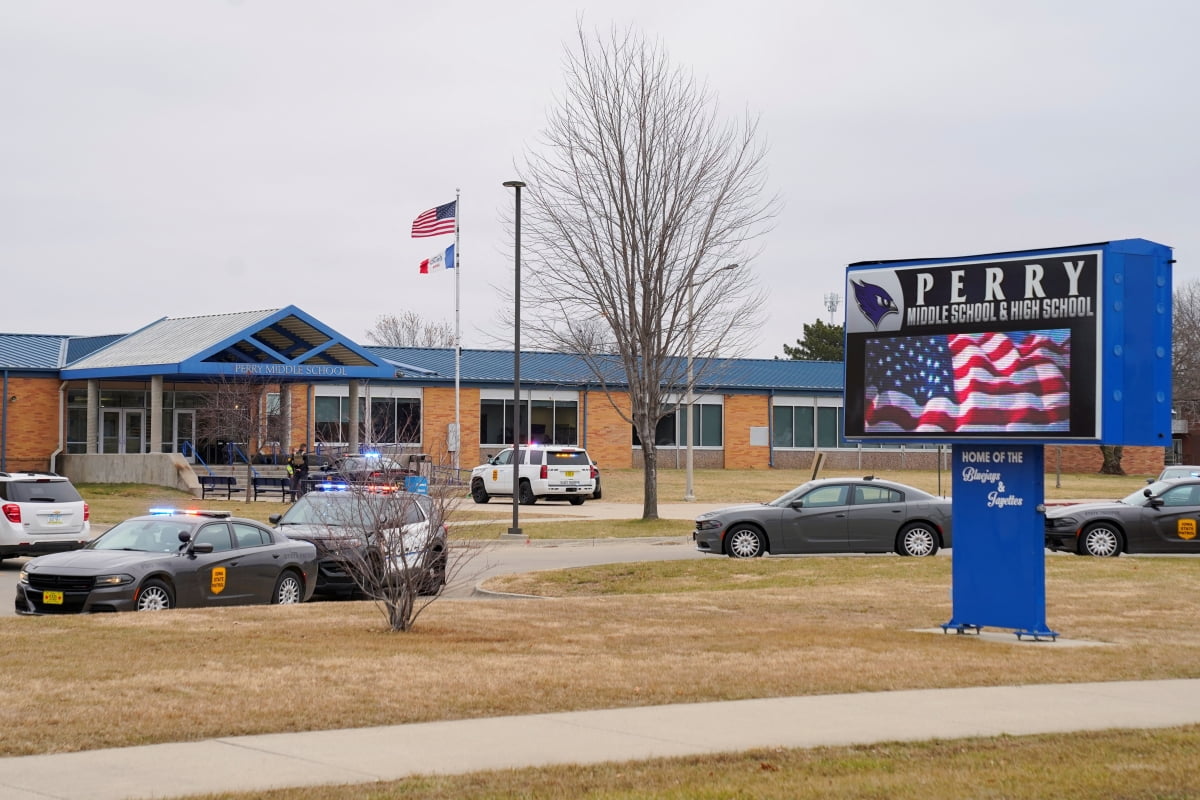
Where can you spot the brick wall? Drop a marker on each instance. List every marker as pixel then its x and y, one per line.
pixel 32 424
pixel 743 412
pixel 437 413
pixel 609 437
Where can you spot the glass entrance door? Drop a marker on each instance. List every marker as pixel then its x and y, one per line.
pixel 185 433
pixel 122 430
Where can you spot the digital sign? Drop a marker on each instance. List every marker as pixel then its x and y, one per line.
pixel 987 348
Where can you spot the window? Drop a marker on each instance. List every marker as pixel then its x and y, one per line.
pixel 707 428
pixel 250 536
pixel 870 495
pixel 544 420
pixel 826 496
pixel 217 535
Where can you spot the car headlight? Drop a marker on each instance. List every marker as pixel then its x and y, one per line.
pixel 708 524
pixel 23 577
pixel 119 579
pixel 1063 522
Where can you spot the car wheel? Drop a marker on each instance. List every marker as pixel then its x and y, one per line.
pixel 288 590
pixel 155 596
pixel 576 501
pixel 528 498
pixel 596 493
pixel 478 493
pixel 917 539
pixel 1101 540
pixel 435 576
pixel 745 542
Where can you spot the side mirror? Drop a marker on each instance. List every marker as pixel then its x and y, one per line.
pixel 201 547
pixel 797 504
pixel 1149 480
pixel 274 518
pixel 1155 502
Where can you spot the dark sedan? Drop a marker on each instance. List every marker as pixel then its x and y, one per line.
pixel 831 515
pixel 170 559
pixel 348 526
pixel 1160 518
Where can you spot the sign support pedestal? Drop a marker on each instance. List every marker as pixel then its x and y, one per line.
pixel 999 559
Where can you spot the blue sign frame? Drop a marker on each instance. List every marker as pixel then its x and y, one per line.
pixel 999 355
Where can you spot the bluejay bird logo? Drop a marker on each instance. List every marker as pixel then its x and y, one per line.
pixel 874 301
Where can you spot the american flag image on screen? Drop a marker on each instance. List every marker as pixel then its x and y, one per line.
pixel 969 383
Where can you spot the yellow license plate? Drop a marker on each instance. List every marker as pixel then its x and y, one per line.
pixel 52 598
pixel 570 474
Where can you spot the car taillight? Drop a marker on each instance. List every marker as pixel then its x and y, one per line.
pixel 13 512
pixel 545 472
pixel 87 512
pixel 595 473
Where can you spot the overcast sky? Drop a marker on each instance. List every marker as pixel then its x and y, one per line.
pixel 187 157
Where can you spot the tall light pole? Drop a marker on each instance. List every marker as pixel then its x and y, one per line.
pixel 689 493
pixel 515 530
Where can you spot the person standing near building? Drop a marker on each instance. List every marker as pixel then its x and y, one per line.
pixel 293 475
pixel 301 465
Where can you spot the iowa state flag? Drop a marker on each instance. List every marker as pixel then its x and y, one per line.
pixel 443 260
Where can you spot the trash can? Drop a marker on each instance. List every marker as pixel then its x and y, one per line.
pixel 417 484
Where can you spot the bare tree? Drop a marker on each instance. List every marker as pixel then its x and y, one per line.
pixel 394 545
pixel 1185 348
pixel 409 329
pixel 234 414
pixel 639 203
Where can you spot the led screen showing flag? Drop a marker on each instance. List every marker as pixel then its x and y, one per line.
pixel 435 221
pixel 990 382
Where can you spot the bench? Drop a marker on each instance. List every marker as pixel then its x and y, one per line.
pixel 270 486
pixel 217 484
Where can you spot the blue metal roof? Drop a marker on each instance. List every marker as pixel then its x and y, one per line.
pixel 30 351
pixel 566 369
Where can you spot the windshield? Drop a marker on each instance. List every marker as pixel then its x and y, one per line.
pixel 142 535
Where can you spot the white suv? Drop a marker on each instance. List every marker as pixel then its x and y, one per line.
pixel 548 472
pixel 40 512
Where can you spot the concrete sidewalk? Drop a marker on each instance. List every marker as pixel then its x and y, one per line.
pixel 269 761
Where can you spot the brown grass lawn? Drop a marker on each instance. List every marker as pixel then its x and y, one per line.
pixel 632 634
pixel 629 634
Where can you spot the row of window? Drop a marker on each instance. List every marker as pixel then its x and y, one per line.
pixel 397 420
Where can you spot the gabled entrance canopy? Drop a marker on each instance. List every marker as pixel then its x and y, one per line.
pixel 284 344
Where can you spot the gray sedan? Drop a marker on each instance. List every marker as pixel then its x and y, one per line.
pixel 1164 517
pixel 831 515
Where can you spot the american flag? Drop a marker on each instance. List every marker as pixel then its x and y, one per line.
pixel 969 383
pixel 435 221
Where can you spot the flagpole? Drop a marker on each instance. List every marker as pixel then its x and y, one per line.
pixel 457 334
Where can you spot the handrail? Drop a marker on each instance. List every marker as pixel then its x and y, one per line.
pixel 233 448
pixel 188 447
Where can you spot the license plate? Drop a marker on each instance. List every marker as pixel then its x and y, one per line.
pixel 54 518
pixel 570 474
pixel 52 598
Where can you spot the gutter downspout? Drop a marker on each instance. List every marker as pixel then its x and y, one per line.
pixel 4 426
pixel 62 423
pixel 771 429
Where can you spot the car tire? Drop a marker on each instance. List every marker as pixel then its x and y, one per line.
pixel 478 493
pixel 596 493
pixel 917 539
pixel 1101 540
pixel 288 590
pixel 527 497
pixel 155 596
pixel 435 576
pixel 745 541
pixel 576 501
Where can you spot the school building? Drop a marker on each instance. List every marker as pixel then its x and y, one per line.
pixel 132 407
